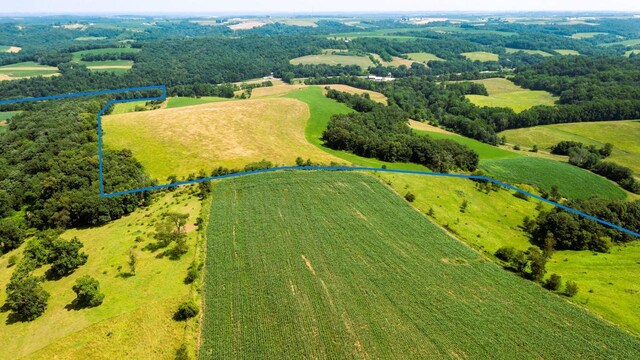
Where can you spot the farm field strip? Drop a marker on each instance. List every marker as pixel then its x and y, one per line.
pixel 623 135
pixel 306 265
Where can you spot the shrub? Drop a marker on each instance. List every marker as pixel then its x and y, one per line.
pixel 192 273
pixel 553 282
pixel 516 147
pixel 182 353
pixel 571 288
pixel 410 197
pixel 87 291
pixel 506 253
pixel 12 261
pixel 186 310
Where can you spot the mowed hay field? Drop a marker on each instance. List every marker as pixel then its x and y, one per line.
pixel 306 265
pixel 26 69
pixel 481 56
pixel 424 57
pixel 531 52
pixel 185 140
pixel 573 182
pixel 135 319
pixel 363 61
pixel 504 93
pixel 624 135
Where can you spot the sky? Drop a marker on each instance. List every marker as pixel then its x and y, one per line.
pixel 307 6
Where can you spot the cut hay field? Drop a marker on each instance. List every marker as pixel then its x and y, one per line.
pixel 424 57
pixel 566 52
pixel 531 52
pixel 363 61
pixel 480 56
pixel 624 135
pixel 185 140
pixel 176 102
pixel 395 61
pixel 307 266
pixel 26 69
pixel 573 182
pixel 504 93
pixel 135 319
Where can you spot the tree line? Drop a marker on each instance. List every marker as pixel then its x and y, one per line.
pixel 382 132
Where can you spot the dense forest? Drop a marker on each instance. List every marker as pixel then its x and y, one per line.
pixel 49 172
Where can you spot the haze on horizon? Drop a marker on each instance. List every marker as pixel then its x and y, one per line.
pixel 308 6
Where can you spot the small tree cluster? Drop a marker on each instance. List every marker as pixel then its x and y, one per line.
pixel 87 291
pixel 186 310
pixel 531 263
pixel 26 297
pixel 172 230
pixel 65 256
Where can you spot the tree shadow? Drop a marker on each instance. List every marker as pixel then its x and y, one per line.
pixel 125 275
pixel 73 306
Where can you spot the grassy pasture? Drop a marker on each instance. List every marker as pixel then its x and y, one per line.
pixel 363 61
pixel 176 102
pixel 424 57
pixel 531 52
pixel 486 151
pixel 628 53
pixel 480 56
pixel 26 69
pixel 504 93
pixel 136 311
pixel 623 135
pixel 630 42
pixel 185 140
pixel 77 56
pixel 566 52
pixel 318 270
pixel 573 182
pixel 321 109
pixel 395 61
pixel 586 35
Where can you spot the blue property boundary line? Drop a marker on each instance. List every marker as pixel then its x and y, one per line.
pixel 163 96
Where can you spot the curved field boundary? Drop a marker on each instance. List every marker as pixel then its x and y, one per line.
pixel 163 96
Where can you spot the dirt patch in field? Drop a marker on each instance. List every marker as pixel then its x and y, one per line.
pixel 418 125
pixel 247 25
pixel 3 123
pixel 190 227
pixel 14 49
pixel 4 77
pixel 308 264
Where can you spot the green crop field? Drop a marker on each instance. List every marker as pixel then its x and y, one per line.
pixel 25 69
pixel 566 52
pixel 624 135
pixel 363 61
pixel 321 109
pixel 135 320
pixel 176 102
pixel 480 56
pixel 532 52
pixel 504 93
pixel 77 56
pixel 424 57
pixel 318 270
pixel 573 182
pixel 486 151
